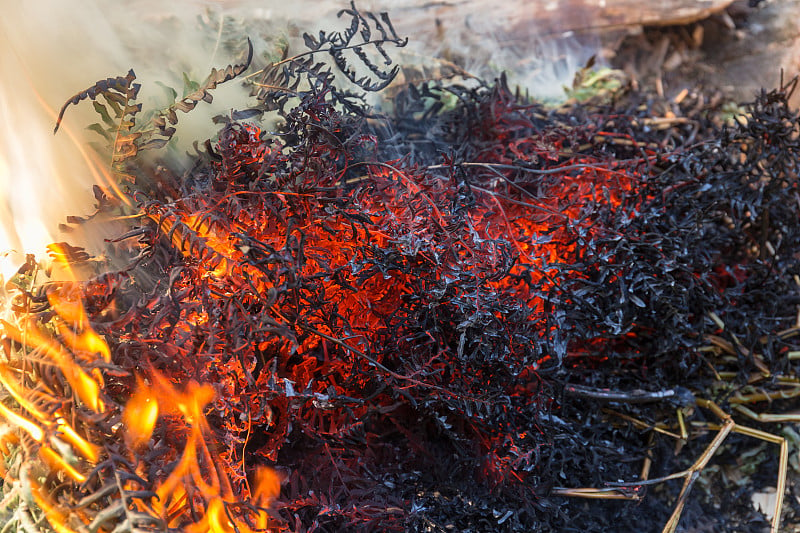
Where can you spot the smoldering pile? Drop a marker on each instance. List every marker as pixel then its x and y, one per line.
pixel 444 316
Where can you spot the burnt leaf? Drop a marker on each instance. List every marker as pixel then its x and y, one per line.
pixel 119 90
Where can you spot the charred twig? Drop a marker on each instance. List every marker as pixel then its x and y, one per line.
pixel 678 395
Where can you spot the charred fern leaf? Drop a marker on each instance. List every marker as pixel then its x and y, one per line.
pixel 122 498
pixel 118 116
pixel 350 50
pixel 116 91
pixel 358 38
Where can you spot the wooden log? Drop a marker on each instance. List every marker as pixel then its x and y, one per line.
pixel 549 17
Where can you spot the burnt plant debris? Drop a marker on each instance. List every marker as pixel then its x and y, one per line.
pixel 440 317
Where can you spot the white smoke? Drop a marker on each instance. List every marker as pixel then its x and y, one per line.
pixel 52 49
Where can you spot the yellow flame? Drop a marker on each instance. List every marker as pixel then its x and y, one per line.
pixel 69 309
pixel 197 467
pixel 55 516
pixel 140 416
pixel 56 462
pixel 190 403
pixel 218 521
pixel 16 391
pixel 267 486
pixel 63 429
pixel 86 387
pixel 39 422
pixel 88 450
pixel 86 342
pixel 29 427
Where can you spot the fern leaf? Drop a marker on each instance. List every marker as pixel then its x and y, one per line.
pixel 200 93
pixel 100 130
pixel 113 88
pixel 103 112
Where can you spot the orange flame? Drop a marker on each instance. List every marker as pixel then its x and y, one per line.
pixel 197 473
pixel 38 414
pixel 86 387
pixel 140 416
pixel 55 516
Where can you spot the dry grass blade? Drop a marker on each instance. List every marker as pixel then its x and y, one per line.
pixel 632 490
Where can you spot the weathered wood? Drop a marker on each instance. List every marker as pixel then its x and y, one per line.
pixel 549 17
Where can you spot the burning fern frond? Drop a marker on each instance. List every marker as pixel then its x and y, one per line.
pixel 190 239
pixel 122 499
